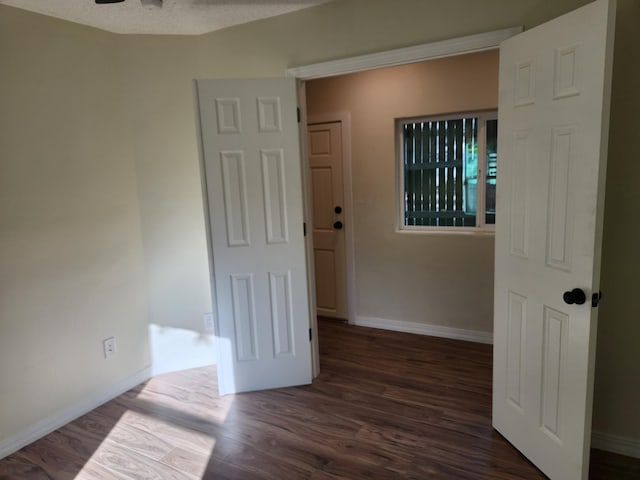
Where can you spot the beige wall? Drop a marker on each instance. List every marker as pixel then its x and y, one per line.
pixel 71 258
pixel 617 390
pixel 96 162
pixel 157 91
pixel 440 279
pixel 158 94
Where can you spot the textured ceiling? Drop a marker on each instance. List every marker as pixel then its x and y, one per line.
pixel 178 17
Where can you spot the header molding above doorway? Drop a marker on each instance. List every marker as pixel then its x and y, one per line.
pixel 400 56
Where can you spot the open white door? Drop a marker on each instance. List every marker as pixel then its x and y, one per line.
pixel 553 128
pixel 251 152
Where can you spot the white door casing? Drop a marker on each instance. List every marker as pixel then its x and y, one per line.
pixel 324 148
pixel 251 155
pixel 553 128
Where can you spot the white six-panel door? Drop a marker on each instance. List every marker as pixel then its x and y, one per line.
pixel 251 150
pixel 553 124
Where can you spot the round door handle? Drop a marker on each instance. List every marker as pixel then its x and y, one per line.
pixel 338 209
pixel 338 225
pixel 576 296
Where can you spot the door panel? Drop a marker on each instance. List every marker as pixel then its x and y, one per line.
pixel 553 121
pixel 325 268
pixel 325 161
pixel 323 199
pixel 253 177
pixel 275 202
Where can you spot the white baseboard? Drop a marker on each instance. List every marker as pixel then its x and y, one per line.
pixel 61 418
pixel 425 329
pixel 615 444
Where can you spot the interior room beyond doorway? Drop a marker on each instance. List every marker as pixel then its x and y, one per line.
pixel 410 280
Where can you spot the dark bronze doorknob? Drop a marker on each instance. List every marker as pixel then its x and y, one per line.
pixel 338 225
pixel 576 296
pixel 338 209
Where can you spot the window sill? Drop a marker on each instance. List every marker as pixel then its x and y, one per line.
pixel 473 231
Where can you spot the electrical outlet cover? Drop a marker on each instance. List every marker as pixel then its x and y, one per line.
pixel 208 322
pixel 109 346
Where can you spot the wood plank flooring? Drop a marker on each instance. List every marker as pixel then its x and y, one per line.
pixel 387 405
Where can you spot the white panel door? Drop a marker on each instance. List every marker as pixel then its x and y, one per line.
pixel 553 128
pixel 253 181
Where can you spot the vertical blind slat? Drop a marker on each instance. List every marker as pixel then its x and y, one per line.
pixel 449 170
pixel 424 189
pixel 441 173
pixel 459 175
pixel 407 173
pixel 432 172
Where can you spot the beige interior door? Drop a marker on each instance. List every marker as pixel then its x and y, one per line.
pixel 553 125
pixel 325 162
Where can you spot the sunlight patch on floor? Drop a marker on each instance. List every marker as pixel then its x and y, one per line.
pixel 144 446
pixel 170 424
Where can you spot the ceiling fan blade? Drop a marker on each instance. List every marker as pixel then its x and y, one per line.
pixel 145 3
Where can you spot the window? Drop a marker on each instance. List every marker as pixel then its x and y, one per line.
pixel 448 167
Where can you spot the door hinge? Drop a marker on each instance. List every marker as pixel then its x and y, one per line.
pixel 595 299
pixel 304 229
pixel 310 334
pixel 298 113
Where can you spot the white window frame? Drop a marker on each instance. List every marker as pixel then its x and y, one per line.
pixel 481 226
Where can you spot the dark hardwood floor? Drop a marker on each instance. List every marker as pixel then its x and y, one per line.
pixel 386 406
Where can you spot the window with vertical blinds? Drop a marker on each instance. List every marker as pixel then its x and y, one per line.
pixel 448 171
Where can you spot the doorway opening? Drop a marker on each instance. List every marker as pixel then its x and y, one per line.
pixel 395 266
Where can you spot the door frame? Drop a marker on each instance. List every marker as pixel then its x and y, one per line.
pixel 401 56
pixel 344 118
